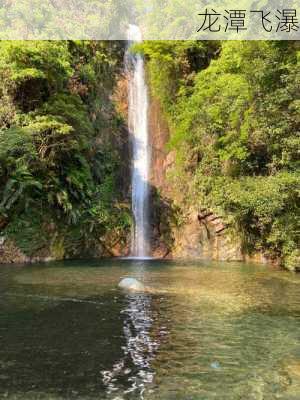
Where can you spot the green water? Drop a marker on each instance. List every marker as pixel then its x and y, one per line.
pixel 201 331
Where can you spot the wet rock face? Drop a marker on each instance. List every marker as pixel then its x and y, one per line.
pixel 131 285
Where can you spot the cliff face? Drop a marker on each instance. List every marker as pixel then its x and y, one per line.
pixel 204 236
pixel 160 157
pixel 177 232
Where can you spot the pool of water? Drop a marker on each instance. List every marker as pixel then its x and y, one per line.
pixel 200 331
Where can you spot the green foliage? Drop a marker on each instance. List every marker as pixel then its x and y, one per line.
pixel 234 122
pixel 32 19
pixel 30 230
pixel 172 66
pixel 55 153
pixel 265 210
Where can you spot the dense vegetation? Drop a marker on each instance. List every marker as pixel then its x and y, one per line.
pixel 58 159
pixel 233 110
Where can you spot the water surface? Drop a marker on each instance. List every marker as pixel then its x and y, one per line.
pixel 200 331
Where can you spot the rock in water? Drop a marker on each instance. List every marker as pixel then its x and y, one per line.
pixel 215 365
pixel 132 285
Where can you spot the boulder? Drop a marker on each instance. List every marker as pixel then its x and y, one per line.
pixel 131 285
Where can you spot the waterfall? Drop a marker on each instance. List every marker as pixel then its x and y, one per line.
pixel 138 128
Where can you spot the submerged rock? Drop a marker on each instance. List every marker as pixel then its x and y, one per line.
pixel 215 365
pixel 132 285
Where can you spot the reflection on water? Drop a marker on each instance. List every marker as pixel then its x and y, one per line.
pixel 139 350
pixel 201 331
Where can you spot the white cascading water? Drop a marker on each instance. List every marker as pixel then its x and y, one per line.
pixel 138 127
